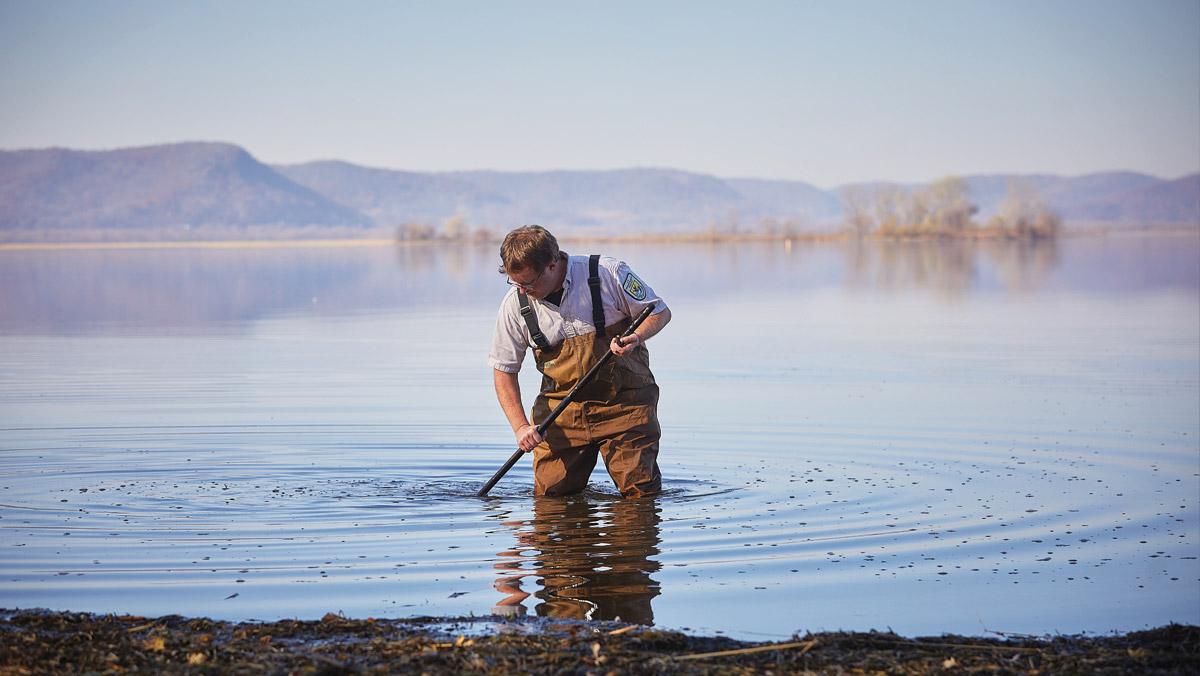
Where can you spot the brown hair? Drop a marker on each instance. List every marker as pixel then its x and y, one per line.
pixel 529 246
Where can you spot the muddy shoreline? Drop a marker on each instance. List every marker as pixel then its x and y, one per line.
pixel 33 642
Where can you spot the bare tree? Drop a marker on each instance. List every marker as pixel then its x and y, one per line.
pixel 856 207
pixel 455 227
pixel 414 231
pixel 942 208
pixel 1023 213
pixel 891 205
pixel 916 212
pixel 949 208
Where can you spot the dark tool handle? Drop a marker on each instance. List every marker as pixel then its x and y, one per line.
pixel 562 405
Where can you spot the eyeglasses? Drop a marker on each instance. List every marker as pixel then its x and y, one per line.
pixel 527 285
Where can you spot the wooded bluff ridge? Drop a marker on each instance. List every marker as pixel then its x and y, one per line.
pixel 220 186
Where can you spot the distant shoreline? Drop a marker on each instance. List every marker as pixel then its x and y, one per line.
pixel 976 235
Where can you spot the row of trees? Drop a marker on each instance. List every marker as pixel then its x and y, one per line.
pixel 454 229
pixel 944 208
pixel 1024 213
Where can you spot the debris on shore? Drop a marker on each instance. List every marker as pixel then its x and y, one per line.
pixel 38 642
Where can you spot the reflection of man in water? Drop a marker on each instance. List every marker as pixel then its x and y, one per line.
pixel 567 308
pixel 593 560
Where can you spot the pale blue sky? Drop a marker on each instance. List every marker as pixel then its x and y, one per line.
pixel 826 92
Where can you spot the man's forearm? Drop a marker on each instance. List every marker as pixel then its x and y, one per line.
pixel 653 324
pixel 508 393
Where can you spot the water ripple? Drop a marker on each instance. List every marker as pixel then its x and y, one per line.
pixel 374 518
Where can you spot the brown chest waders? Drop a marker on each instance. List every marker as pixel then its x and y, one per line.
pixel 615 415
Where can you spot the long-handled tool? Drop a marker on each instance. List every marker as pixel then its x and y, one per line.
pixel 562 405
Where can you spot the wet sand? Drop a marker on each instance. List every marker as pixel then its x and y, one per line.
pixel 47 642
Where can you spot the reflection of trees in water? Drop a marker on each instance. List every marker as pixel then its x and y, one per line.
pixel 707 268
pixel 1023 265
pixel 417 260
pixel 193 289
pixel 947 266
pixel 100 290
pixel 464 263
pixel 591 559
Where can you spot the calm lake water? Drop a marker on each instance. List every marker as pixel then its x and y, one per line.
pixel 924 437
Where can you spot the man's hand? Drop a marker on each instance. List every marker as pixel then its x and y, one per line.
pixel 528 438
pixel 621 349
pixel 653 324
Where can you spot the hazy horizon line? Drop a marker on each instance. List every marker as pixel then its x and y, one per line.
pixel 979 174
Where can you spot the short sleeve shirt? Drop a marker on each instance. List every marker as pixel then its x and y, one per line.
pixel 623 293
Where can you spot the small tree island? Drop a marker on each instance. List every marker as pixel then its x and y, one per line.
pixel 944 209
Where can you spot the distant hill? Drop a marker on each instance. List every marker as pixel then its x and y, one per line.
pixel 589 201
pixel 216 185
pixel 387 196
pixel 185 184
pixel 1075 198
pixel 789 200
pixel 1117 198
pixel 663 200
pixel 1175 201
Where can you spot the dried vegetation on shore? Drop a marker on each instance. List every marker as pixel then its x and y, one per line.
pixel 36 642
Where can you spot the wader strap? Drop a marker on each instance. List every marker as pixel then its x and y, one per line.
pixel 597 302
pixel 530 316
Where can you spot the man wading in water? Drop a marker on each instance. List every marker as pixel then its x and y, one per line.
pixel 570 309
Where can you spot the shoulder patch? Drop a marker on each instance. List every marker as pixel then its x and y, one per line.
pixel 634 287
